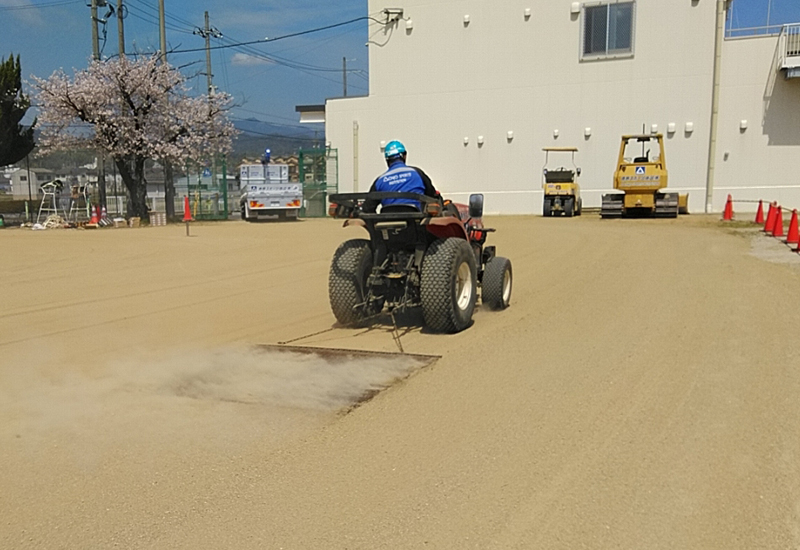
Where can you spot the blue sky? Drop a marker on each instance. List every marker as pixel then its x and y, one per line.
pixel 53 34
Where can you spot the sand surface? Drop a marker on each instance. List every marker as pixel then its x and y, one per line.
pixel 641 392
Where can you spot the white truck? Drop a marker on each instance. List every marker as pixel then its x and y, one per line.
pixel 267 191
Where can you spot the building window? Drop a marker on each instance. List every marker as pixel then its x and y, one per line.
pixel 608 30
pixel 23 178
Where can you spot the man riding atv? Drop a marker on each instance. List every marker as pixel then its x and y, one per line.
pixel 401 179
pixel 422 252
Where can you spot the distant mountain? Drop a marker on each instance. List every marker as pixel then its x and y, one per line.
pixel 255 136
pixel 281 139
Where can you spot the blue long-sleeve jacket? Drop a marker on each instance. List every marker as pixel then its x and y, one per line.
pixel 400 178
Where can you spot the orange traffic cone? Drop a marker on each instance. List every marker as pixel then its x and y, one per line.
pixel 793 237
pixel 187 212
pixel 769 225
pixel 777 231
pixel 94 219
pixel 728 214
pixel 760 213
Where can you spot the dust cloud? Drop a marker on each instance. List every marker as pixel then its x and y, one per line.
pixel 177 384
pixel 287 379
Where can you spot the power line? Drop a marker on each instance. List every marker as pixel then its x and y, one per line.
pixel 278 60
pixel 142 15
pixel 279 136
pixel 224 69
pixel 293 126
pixel 187 24
pixel 42 5
pixel 268 115
pixel 184 27
pixel 243 46
pixel 283 37
pixel 297 67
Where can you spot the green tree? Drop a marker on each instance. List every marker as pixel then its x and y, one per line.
pixel 16 141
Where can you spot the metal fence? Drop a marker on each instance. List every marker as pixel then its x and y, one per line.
pixel 319 174
pixel 207 192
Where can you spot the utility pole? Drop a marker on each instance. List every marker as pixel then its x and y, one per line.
pixel 120 28
pixel 95 33
pixel 101 163
pixel 162 30
pixel 344 75
pixel 169 183
pixel 207 32
pixel 209 75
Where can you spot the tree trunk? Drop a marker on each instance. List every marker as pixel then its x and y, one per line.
pixel 135 184
pixel 169 189
pixel 101 180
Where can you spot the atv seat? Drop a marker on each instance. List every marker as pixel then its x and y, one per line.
pixel 641 159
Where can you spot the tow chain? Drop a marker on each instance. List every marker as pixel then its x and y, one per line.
pixel 306 336
pixel 395 332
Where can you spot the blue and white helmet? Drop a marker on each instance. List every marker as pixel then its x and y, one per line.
pixel 393 149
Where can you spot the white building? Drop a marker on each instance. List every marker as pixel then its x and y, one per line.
pixel 23 188
pixel 476 89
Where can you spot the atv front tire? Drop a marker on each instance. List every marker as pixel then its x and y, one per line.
pixel 448 285
pixel 569 207
pixel 497 282
pixel 347 282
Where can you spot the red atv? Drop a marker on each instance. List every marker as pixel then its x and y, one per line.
pixel 431 257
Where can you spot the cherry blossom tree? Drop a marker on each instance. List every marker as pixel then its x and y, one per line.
pixel 134 110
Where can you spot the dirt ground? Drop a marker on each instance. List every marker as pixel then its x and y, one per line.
pixel 640 392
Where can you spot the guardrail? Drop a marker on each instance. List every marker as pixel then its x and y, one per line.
pixel 745 32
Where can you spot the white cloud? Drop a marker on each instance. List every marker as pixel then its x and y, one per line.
pixel 244 59
pixel 27 13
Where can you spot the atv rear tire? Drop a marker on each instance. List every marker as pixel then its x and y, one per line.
pixel 497 283
pixel 547 208
pixel 347 282
pixel 448 285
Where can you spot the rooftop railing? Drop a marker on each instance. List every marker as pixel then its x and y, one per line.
pixel 747 32
pixel 789 47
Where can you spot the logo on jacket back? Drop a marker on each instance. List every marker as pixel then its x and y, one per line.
pixel 399 177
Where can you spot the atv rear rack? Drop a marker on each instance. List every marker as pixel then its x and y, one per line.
pixel 351 205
